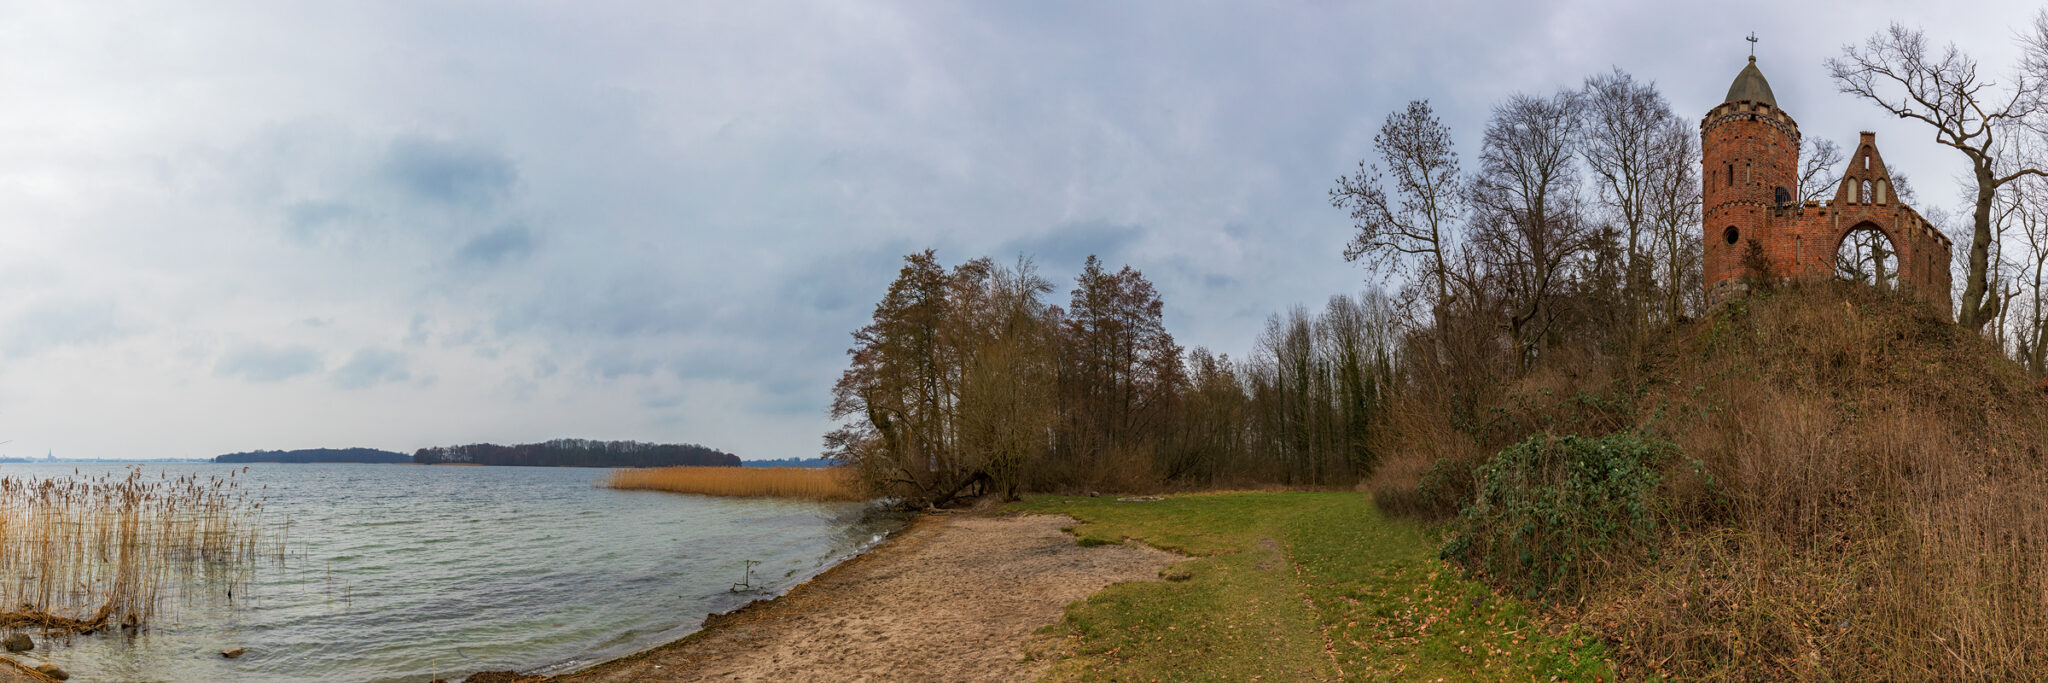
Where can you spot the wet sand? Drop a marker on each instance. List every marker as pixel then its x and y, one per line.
pixel 948 598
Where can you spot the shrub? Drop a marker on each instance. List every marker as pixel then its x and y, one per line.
pixel 1549 507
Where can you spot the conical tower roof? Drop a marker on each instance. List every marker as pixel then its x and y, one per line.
pixel 1750 86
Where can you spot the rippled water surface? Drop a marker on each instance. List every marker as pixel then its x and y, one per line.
pixel 405 573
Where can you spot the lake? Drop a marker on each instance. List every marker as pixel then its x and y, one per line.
pixel 406 573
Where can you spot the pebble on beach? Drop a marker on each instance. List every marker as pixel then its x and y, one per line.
pixel 53 671
pixel 233 652
pixel 18 642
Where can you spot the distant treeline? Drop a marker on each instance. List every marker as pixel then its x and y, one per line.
pixel 578 453
pixel 370 455
pixel 789 462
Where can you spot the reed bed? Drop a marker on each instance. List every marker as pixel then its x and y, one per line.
pixel 831 483
pixel 78 554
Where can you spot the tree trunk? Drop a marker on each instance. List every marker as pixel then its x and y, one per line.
pixel 1977 307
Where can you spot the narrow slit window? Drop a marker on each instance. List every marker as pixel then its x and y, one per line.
pixel 1866 192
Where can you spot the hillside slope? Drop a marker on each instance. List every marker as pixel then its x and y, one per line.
pixel 1858 493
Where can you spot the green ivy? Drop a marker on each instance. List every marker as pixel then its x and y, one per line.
pixel 1552 506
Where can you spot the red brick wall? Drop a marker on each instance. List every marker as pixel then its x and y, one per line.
pixel 1748 150
pixel 1760 145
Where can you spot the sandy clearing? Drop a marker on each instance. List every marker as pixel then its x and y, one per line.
pixel 950 598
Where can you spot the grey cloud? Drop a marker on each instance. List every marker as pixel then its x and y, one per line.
pixel 848 278
pixel 662 402
pixel 59 323
pixel 638 301
pixel 416 333
pixel 370 367
pixel 265 363
pixel 786 386
pixel 308 222
pixel 616 365
pixel 1064 248
pixel 449 172
pixel 510 242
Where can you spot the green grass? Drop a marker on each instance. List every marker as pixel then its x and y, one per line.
pixel 1295 586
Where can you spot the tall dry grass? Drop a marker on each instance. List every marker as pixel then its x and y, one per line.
pixel 1880 500
pixel 78 554
pixel 819 483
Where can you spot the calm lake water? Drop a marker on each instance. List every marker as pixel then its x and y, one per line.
pixel 405 573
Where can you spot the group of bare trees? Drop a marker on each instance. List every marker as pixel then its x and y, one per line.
pixel 1581 221
pixel 2001 129
pixel 967 381
pixel 1580 224
pixel 1303 408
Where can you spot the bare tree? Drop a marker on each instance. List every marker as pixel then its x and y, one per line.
pixel 1675 214
pixel 1899 72
pixel 1528 226
pixel 1817 175
pixel 1624 128
pixel 1410 228
pixel 1866 256
pixel 2033 336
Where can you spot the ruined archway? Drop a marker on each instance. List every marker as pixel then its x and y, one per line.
pixel 1866 254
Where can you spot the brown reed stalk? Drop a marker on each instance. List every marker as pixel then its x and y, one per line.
pixel 80 553
pixel 759 482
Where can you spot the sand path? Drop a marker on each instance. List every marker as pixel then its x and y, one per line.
pixel 950 598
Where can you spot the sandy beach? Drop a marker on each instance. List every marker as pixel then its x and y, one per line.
pixel 948 598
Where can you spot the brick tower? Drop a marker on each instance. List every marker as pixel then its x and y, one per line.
pixel 1749 177
pixel 1749 149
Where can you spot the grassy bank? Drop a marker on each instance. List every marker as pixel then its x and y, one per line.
pixel 823 483
pixel 1295 586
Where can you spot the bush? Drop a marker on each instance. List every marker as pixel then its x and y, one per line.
pixel 1550 507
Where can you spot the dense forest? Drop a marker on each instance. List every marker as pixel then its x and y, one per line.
pixel 969 381
pixel 311 455
pixel 578 453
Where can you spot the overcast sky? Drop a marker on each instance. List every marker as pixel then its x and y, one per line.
pixel 233 226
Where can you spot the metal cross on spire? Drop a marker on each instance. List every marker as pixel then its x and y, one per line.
pixel 1752 44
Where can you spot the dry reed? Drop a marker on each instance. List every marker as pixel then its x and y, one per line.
pixel 77 554
pixel 831 483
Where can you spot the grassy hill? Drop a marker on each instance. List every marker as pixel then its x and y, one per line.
pixel 1815 483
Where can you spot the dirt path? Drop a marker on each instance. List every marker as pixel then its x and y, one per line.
pixel 949 599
